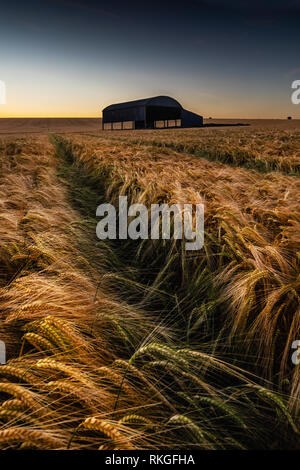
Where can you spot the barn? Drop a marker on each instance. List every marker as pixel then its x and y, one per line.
pixel 149 113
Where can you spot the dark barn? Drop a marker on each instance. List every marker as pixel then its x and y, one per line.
pixel 149 113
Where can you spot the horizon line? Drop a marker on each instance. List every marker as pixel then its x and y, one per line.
pixel 100 118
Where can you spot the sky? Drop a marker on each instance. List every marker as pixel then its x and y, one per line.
pixel 218 58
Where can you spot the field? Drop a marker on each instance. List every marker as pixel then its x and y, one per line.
pixel 29 126
pixel 131 344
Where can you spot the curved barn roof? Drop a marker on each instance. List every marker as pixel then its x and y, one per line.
pixel 166 101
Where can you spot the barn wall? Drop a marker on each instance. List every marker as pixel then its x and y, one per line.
pixel 129 114
pixel 189 119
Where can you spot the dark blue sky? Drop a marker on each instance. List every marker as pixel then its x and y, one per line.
pixel 219 58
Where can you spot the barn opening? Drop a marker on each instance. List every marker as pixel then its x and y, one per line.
pixel 149 113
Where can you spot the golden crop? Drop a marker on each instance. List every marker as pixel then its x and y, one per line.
pixel 128 344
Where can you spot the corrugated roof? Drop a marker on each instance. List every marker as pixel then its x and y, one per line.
pixel 153 101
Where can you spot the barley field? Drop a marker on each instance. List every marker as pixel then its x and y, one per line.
pixel 139 344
